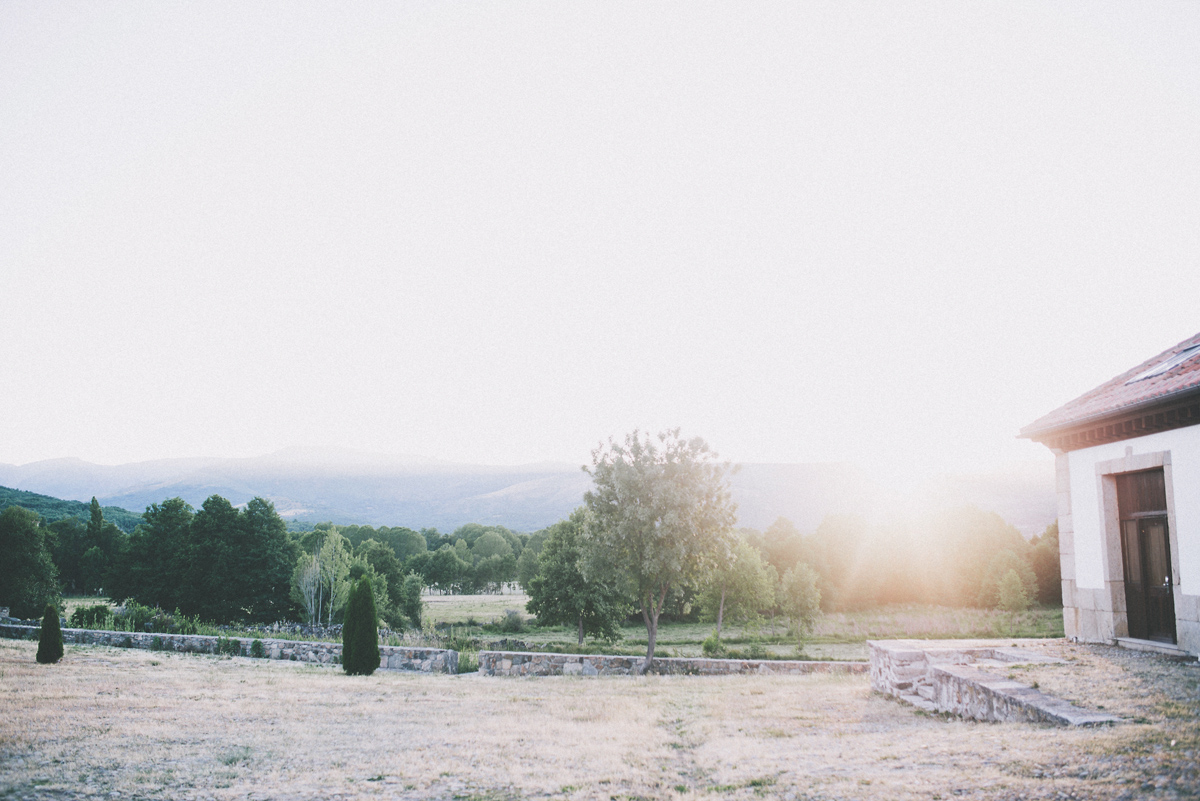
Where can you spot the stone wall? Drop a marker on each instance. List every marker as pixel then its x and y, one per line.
pixel 947 676
pixel 521 663
pixel 391 657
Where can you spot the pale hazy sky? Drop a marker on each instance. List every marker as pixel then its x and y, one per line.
pixel 891 232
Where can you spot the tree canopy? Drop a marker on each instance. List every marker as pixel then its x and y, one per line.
pixel 28 579
pixel 741 588
pixel 661 516
pixel 560 593
pixel 218 563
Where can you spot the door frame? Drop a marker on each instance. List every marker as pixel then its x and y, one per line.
pixel 1113 559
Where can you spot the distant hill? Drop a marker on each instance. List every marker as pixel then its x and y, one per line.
pixel 52 509
pixel 351 487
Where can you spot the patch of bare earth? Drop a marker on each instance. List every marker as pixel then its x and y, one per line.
pixel 153 725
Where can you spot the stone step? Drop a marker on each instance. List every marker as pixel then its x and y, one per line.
pixel 1167 648
pixel 918 702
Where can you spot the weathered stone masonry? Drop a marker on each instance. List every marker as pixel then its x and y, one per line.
pixel 522 663
pixel 946 676
pixel 391 657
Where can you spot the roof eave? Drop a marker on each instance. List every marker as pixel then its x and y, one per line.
pixel 1168 399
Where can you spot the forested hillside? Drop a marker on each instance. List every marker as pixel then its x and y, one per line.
pixel 52 509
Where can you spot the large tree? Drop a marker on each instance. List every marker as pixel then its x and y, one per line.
pixel 321 576
pixel 741 588
pixel 219 563
pixel 265 564
pixel 151 568
pixel 661 516
pixel 560 593
pixel 28 580
pixel 800 598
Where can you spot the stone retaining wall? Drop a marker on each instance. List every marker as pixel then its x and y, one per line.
pixel 523 663
pixel 947 676
pixel 391 657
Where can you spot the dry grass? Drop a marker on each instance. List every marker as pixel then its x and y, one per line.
pixel 175 726
pixel 481 608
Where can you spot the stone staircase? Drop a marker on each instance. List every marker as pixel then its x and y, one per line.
pixel 950 676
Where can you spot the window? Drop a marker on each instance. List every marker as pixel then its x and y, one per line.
pixel 1174 361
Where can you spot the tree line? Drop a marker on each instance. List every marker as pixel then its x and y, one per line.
pixel 222 563
pixel 656 539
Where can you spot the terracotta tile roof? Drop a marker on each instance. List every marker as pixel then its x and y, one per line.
pixel 1116 395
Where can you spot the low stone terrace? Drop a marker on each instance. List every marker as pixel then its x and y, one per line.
pixel 959 677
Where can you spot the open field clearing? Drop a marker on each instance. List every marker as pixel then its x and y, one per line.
pixel 480 608
pixel 160 725
pixel 838 635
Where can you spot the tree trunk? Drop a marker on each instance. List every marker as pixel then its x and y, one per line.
pixel 650 616
pixel 651 638
pixel 581 629
pixel 720 613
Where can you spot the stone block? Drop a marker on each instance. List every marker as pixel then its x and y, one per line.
pixel 1085 599
pixel 1067 566
pixel 1187 607
pixel 1089 630
pixel 1062 474
pixel 1187 636
pixel 1071 622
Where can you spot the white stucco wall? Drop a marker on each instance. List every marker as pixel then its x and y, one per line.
pixel 1086 511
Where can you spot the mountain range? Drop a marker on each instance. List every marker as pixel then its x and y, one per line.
pixel 346 486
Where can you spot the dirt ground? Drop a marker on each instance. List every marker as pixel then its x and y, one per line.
pixel 111 723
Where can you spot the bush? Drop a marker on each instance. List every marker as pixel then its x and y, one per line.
pixel 713 647
pixel 512 622
pixel 229 646
pixel 1011 594
pixel 182 624
pixel 257 650
pixel 127 642
pixel 997 576
pixel 133 617
pixel 50 641
pixel 157 644
pixel 360 631
pixel 468 661
pixel 91 617
pixel 410 599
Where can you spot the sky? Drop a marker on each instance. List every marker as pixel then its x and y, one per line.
pixel 889 233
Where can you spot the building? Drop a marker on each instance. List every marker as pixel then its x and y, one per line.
pixel 1128 467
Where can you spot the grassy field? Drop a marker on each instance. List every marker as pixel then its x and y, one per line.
pixel 840 635
pixel 153 725
pixel 458 609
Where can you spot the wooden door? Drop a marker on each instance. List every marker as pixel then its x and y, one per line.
pixel 1146 553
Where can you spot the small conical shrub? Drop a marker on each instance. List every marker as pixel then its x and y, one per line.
pixel 360 631
pixel 50 641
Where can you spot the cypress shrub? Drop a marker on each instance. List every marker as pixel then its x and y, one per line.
pixel 50 641
pixel 360 631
